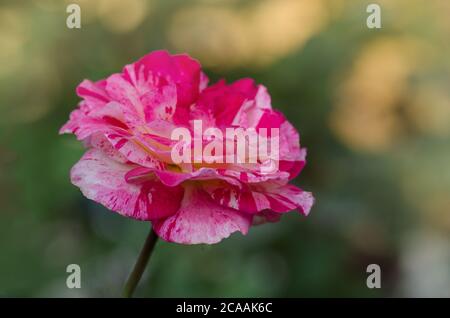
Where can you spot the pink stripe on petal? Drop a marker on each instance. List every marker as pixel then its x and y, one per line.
pixel 201 221
pixel 255 198
pixel 103 180
pixel 100 142
pixel 93 93
pixel 134 151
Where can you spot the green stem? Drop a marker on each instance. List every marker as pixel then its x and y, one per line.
pixel 140 265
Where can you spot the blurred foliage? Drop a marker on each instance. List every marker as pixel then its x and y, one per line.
pixel 372 107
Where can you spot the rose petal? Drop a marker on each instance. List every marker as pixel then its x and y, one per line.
pixel 103 180
pixel 267 196
pixel 201 220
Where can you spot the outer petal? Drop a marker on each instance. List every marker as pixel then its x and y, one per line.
pixel 85 122
pixel 289 197
pixel 201 220
pixel 93 93
pixel 100 142
pixel 94 99
pixel 184 71
pixel 268 196
pixel 103 180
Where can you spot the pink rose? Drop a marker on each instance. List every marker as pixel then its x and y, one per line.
pixel 126 122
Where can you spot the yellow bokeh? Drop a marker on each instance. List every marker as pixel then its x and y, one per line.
pixel 122 16
pixel 365 116
pixel 222 35
pixel 12 39
pixel 430 109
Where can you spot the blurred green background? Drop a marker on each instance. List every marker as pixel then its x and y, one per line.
pixel 372 107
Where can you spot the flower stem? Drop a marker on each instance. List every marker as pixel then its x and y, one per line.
pixel 140 265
